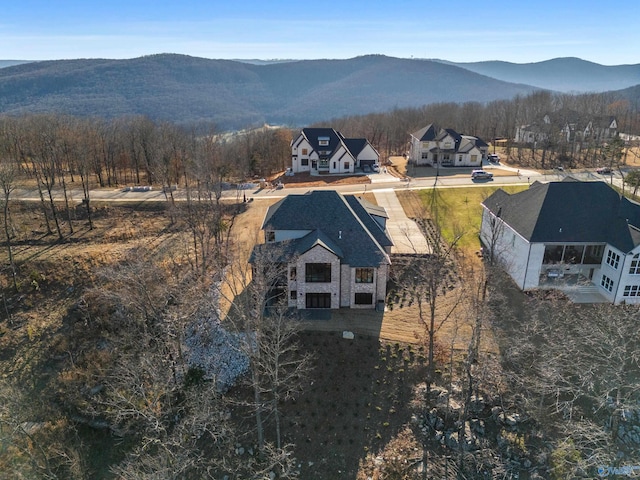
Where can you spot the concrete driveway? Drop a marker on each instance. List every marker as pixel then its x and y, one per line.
pixel 405 233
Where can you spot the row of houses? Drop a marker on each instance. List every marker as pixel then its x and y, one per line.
pixel 568 126
pixel 327 151
pixel 335 249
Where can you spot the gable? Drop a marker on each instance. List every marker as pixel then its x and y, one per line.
pixel 340 228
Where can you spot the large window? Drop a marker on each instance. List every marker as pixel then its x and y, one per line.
pixel 634 269
pixel 363 299
pixel 323 141
pixel 364 275
pixel 304 162
pixel 631 291
pixel 607 283
pixel 317 272
pixel 613 259
pixel 318 300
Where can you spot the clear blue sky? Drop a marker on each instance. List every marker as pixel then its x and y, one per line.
pixel 460 31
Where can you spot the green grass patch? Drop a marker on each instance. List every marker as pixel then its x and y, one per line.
pixel 458 211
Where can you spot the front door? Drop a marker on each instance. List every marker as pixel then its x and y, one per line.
pixel 318 300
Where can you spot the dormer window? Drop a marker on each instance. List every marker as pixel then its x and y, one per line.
pixel 270 236
pixel 323 141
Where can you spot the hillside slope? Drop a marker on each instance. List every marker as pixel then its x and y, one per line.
pixel 235 94
pixel 559 74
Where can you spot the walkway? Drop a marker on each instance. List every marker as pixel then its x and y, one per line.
pixel 405 233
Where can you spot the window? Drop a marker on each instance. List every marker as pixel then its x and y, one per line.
pixel 318 300
pixel 270 236
pixel 613 259
pixel 304 162
pixel 334 165
pixel 631 291
pixel 305 151
pixel 317 272
pixel 292 274
pixel 364 299
pixel 323 141
pixel 607 283
pixel 425 155
pixel 459 158
pixel 346 165
pixel 474 158
pixel 634 269
pixel 364 275
pixel 293 294
pixel 447 144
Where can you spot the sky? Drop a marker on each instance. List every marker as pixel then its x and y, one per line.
pixel 458 31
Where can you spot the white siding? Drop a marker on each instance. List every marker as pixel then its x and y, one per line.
pixel 628 279
pixel 512 252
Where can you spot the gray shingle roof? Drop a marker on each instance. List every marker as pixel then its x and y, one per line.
pixel 339 224
pixel 569 211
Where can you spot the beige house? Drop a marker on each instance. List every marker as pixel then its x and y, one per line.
pixel 444 147
pixel 335 247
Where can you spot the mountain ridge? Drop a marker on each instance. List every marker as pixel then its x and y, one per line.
pixel 235 94
pixel 561 74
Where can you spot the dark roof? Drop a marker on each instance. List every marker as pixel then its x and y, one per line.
pixel 432 133
pixel 341 225
pixel 569 211
pixel 355 145
pixel 426 134
pixel 365 210
pixel 283 251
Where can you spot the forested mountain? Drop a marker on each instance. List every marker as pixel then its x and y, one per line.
pixel 560 74
pixel 236 94
pixel 11 63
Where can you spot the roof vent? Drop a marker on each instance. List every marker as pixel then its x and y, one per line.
pixel 560 230
pixel 339 234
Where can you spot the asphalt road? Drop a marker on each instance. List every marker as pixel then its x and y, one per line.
pixel 379 182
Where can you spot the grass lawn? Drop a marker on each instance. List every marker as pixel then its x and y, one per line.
pixel 456 210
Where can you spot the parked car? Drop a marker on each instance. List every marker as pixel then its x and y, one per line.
pixel 603 170
pixel 366 169
pixel 288 172
pixel 375 167
pixel 494 158
pixel 481 174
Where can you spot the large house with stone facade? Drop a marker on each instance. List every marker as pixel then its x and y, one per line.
pixel 334 249
pixel 444 147
pixel 564 235
pixel 324 150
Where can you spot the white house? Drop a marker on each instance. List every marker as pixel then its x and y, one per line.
pixel 324 150
pixel 561 235
pixel 335 248
pixel 446 147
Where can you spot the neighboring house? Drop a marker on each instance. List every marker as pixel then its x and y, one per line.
pixel 563 234
pixel 446 147
pixel 570 127
pixel 335 248
pixel 324 150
